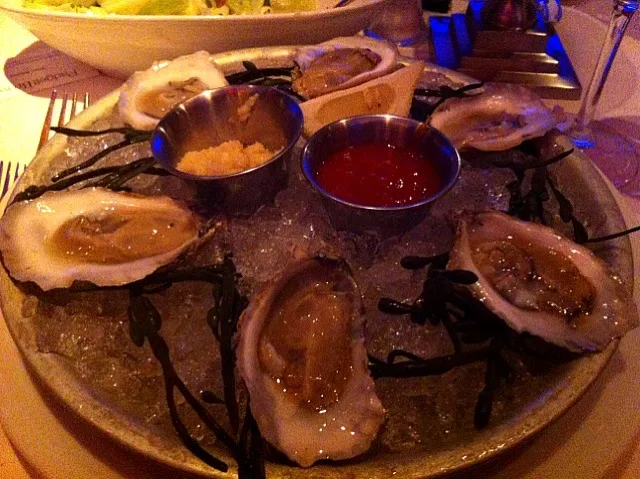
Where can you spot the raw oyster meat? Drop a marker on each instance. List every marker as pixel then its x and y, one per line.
pixel 301 354
pixel 542 283
pixel 341 63
pixel 499 118
pixel 150 94
pixel 93 235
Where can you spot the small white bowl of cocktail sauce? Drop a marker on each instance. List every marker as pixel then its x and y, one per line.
pixel 379 173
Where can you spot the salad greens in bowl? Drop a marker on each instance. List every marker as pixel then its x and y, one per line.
pixel 120 37
pixel 173 7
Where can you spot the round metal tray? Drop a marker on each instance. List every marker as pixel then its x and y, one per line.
pixel 576 177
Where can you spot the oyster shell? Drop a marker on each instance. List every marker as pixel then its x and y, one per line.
pixel 93 235
pixel 499 118
pixel 341 63
pixel 148 95
pixel 542 283
pixel 301 354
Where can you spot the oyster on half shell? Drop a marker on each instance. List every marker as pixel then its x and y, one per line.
pixel 541 283
pixel 340 63
pixel 499 118
pixel 150 94
pixel 93 235
pixel 301 354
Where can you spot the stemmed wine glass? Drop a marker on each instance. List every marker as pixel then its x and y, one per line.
pixel 614 154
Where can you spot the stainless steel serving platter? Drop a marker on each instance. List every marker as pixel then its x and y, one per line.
pixel 543 400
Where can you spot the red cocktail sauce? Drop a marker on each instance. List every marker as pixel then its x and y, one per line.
pixel 379 175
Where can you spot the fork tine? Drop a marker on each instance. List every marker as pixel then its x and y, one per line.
pixel 6 180
pixel 9 173
pixel 44 134
pixel 74 105
pixel 2 170
pixel 62 118
pixel 63 109
pixel 19 171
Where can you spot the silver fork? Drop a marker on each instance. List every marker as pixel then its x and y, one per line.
pixel 10 171
pixel 62 116
pixel 9 174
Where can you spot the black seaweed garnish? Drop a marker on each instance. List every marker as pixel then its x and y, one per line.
pixel 530 205
pixel 445 300
pixel 210 397
pixel 116 180
pixel 279 78
pixel 253 74
pixel 145 324
pixel 229 306
pixel 445 92
pixel 252 447
pixel 527 206
pixel 117 176
pixel 580 234
pixel 497 368
pixel 415 366
pixel 613 236
pixel 421 109
pixel 523 158
pixel 144 320
pixel 419 262
pixel 113 177
pixel 131 137
pixel 124 130
pixel 222 317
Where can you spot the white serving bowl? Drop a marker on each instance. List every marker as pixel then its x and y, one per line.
pixel 118 45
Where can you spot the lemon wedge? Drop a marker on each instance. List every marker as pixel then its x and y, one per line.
pixel 391 94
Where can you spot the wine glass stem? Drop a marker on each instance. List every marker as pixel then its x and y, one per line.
pixel 622 12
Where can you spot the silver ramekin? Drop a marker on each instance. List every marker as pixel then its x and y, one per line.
pixel 213 117
pixel 386 130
